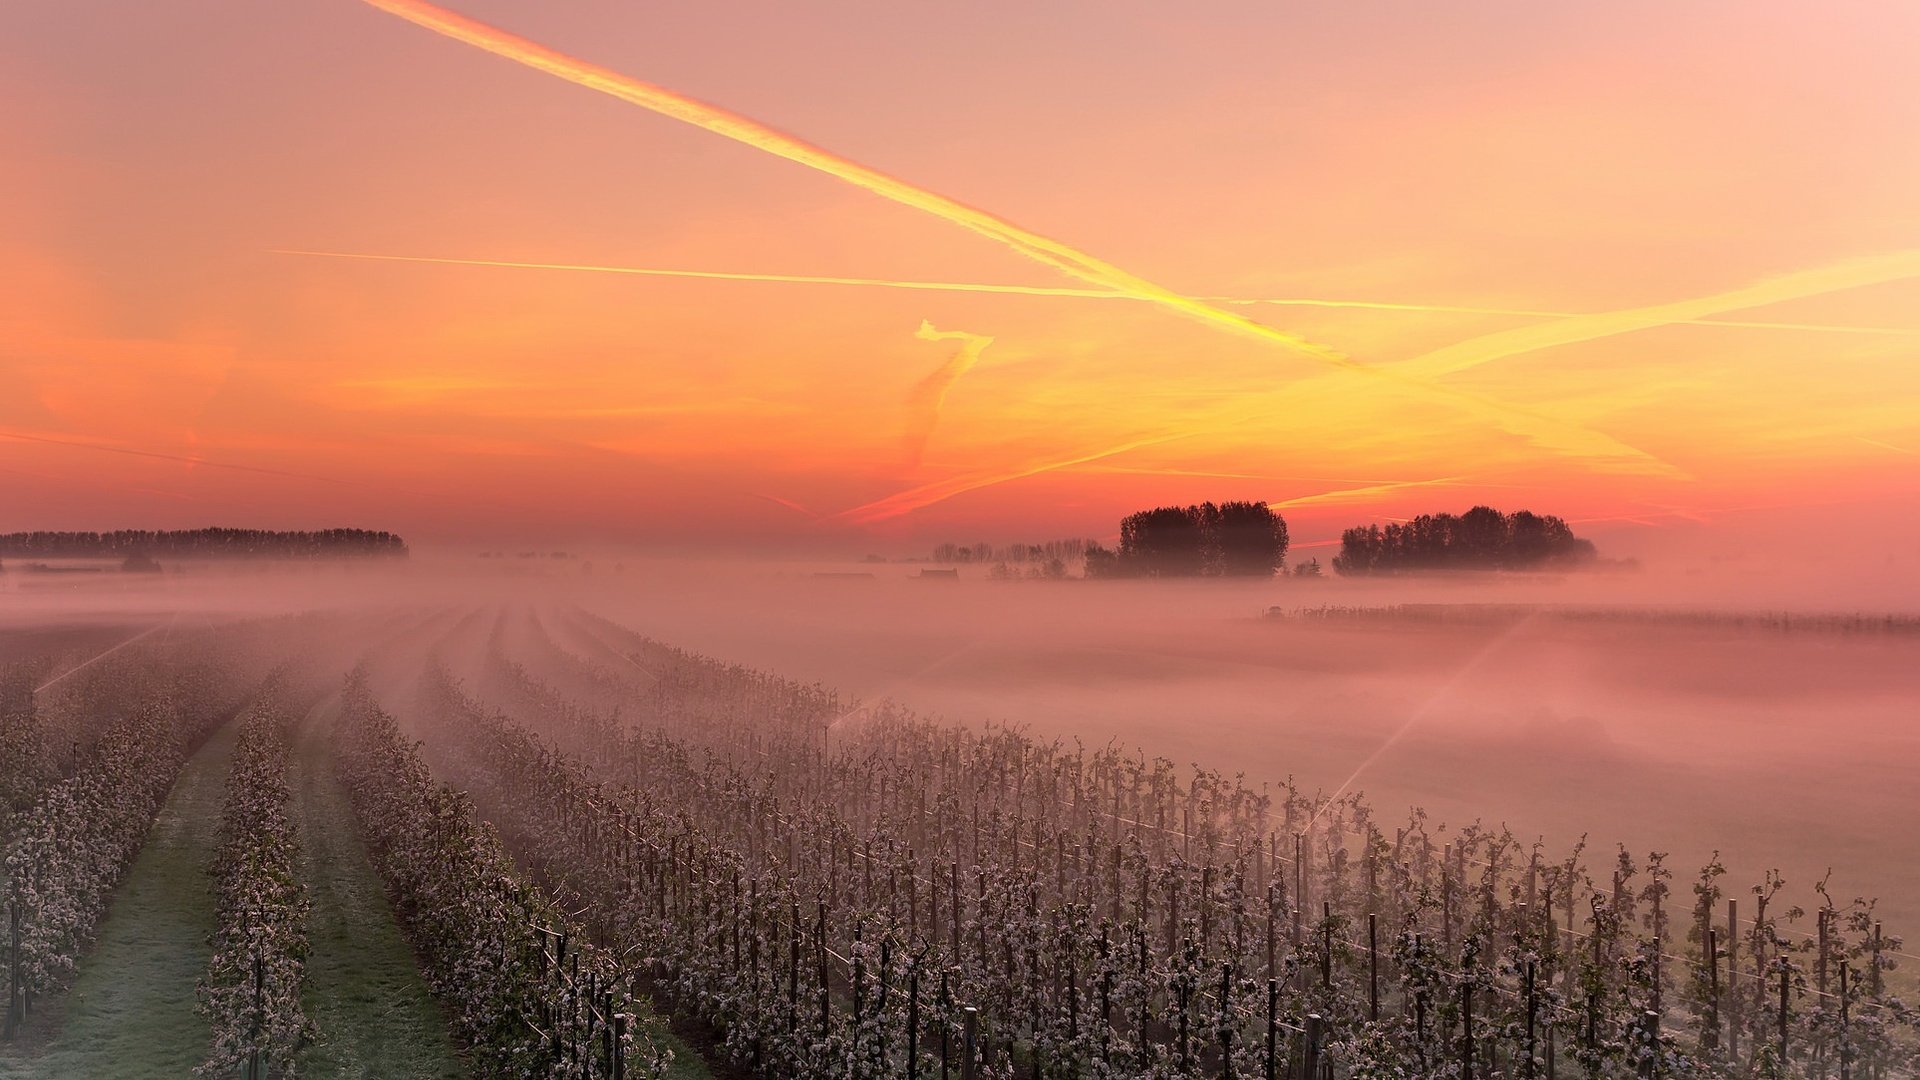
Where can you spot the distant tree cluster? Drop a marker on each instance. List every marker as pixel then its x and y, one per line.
pixel 1062 550
pixel 1232 539
pixel 203 544
pixel 1480 539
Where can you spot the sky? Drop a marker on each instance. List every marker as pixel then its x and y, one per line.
pixel 1650 266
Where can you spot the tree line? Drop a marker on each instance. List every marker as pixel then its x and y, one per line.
pixel 211 543
pixel 1062 550
pixel 1480 539
pixel 1231 539
pixel 1249 539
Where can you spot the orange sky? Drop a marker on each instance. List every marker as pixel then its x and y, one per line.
pixel 1680 168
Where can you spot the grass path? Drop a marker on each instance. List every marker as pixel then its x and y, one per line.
pixel 363 986
pixel 131 1011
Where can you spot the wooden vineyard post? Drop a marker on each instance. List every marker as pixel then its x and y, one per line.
pixel 1873 973
pixel 1183 1000
pixel 1419 1017
pixel 1533 1009
pixel 1373 968
pixel 1226 1026
pixel 1649 1041
pixel 1820 986
pixel 1846 1047
pixel 859 987
pixel 946 1026
pixel 913 1020
pixel 1073 1002
pixel 1710 1037
pixel 1592 1047
pixel 1326 945
pixel 14 1000
pixel 969 1034
pixel 259 1016
pixel 1733 983
pixel 1270 911
pixel 1273 1029
pixel 820 950
pixel 1783 1015
pixel 619 1046
pixel 1206 908
pixel 1299 883
pixel 1140 1031
pixel 1173 913
pixel 1106 1014
pixel 1466 1030
pixel 1310 1066
pixel 880 1003
pixel 954 909
pixel 793 967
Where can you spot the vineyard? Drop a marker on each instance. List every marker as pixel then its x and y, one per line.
pixel 609 857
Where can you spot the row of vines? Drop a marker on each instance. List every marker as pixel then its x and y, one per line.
pixel 856 891
pixel 528 993
pixel 91 804
pixel 250 994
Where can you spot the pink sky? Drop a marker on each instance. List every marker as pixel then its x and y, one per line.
pixel 1545 157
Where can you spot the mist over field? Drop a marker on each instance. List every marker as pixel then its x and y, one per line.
pixel 998 541
pixel 1686 714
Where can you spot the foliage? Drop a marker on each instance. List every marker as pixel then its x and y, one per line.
pixel 529 996
pixel 1232 539
pixel 202 543
pixel 1480 539
pixel 251 991
pixel 1106 914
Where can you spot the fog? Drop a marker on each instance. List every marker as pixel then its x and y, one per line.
pixel 1666 726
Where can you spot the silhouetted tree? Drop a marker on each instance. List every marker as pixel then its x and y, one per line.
pixel 1235 539
pixel 203 544
pixel 1101 562
pixel 1167 541
pixel 1480 539
pixel 1251 538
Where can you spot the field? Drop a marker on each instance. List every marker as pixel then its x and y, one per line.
pixel 570 831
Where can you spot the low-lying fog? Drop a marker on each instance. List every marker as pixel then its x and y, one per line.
pixel 1796 749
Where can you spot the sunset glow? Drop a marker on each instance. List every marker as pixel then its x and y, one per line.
pixel 412 267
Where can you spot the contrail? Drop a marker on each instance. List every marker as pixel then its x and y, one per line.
pixel 465 499
pixel 927 494
pixel 185 458
pixel 1050 290
pixel 788 503
pixel 1544 430
pixel 721 275
pixel 1886 446
pixel 1487 348
pixel 928 397
pixel 1343 494
pixel 1848 274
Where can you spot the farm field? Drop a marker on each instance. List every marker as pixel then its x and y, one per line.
pixel 524 834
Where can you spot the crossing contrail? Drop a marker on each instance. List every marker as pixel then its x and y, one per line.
pixel 912 499
pixel 1081 294
pixel 1847 274
pixel 1544 430
pixel 186 459
pixel 1487 348
pixel 924 404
